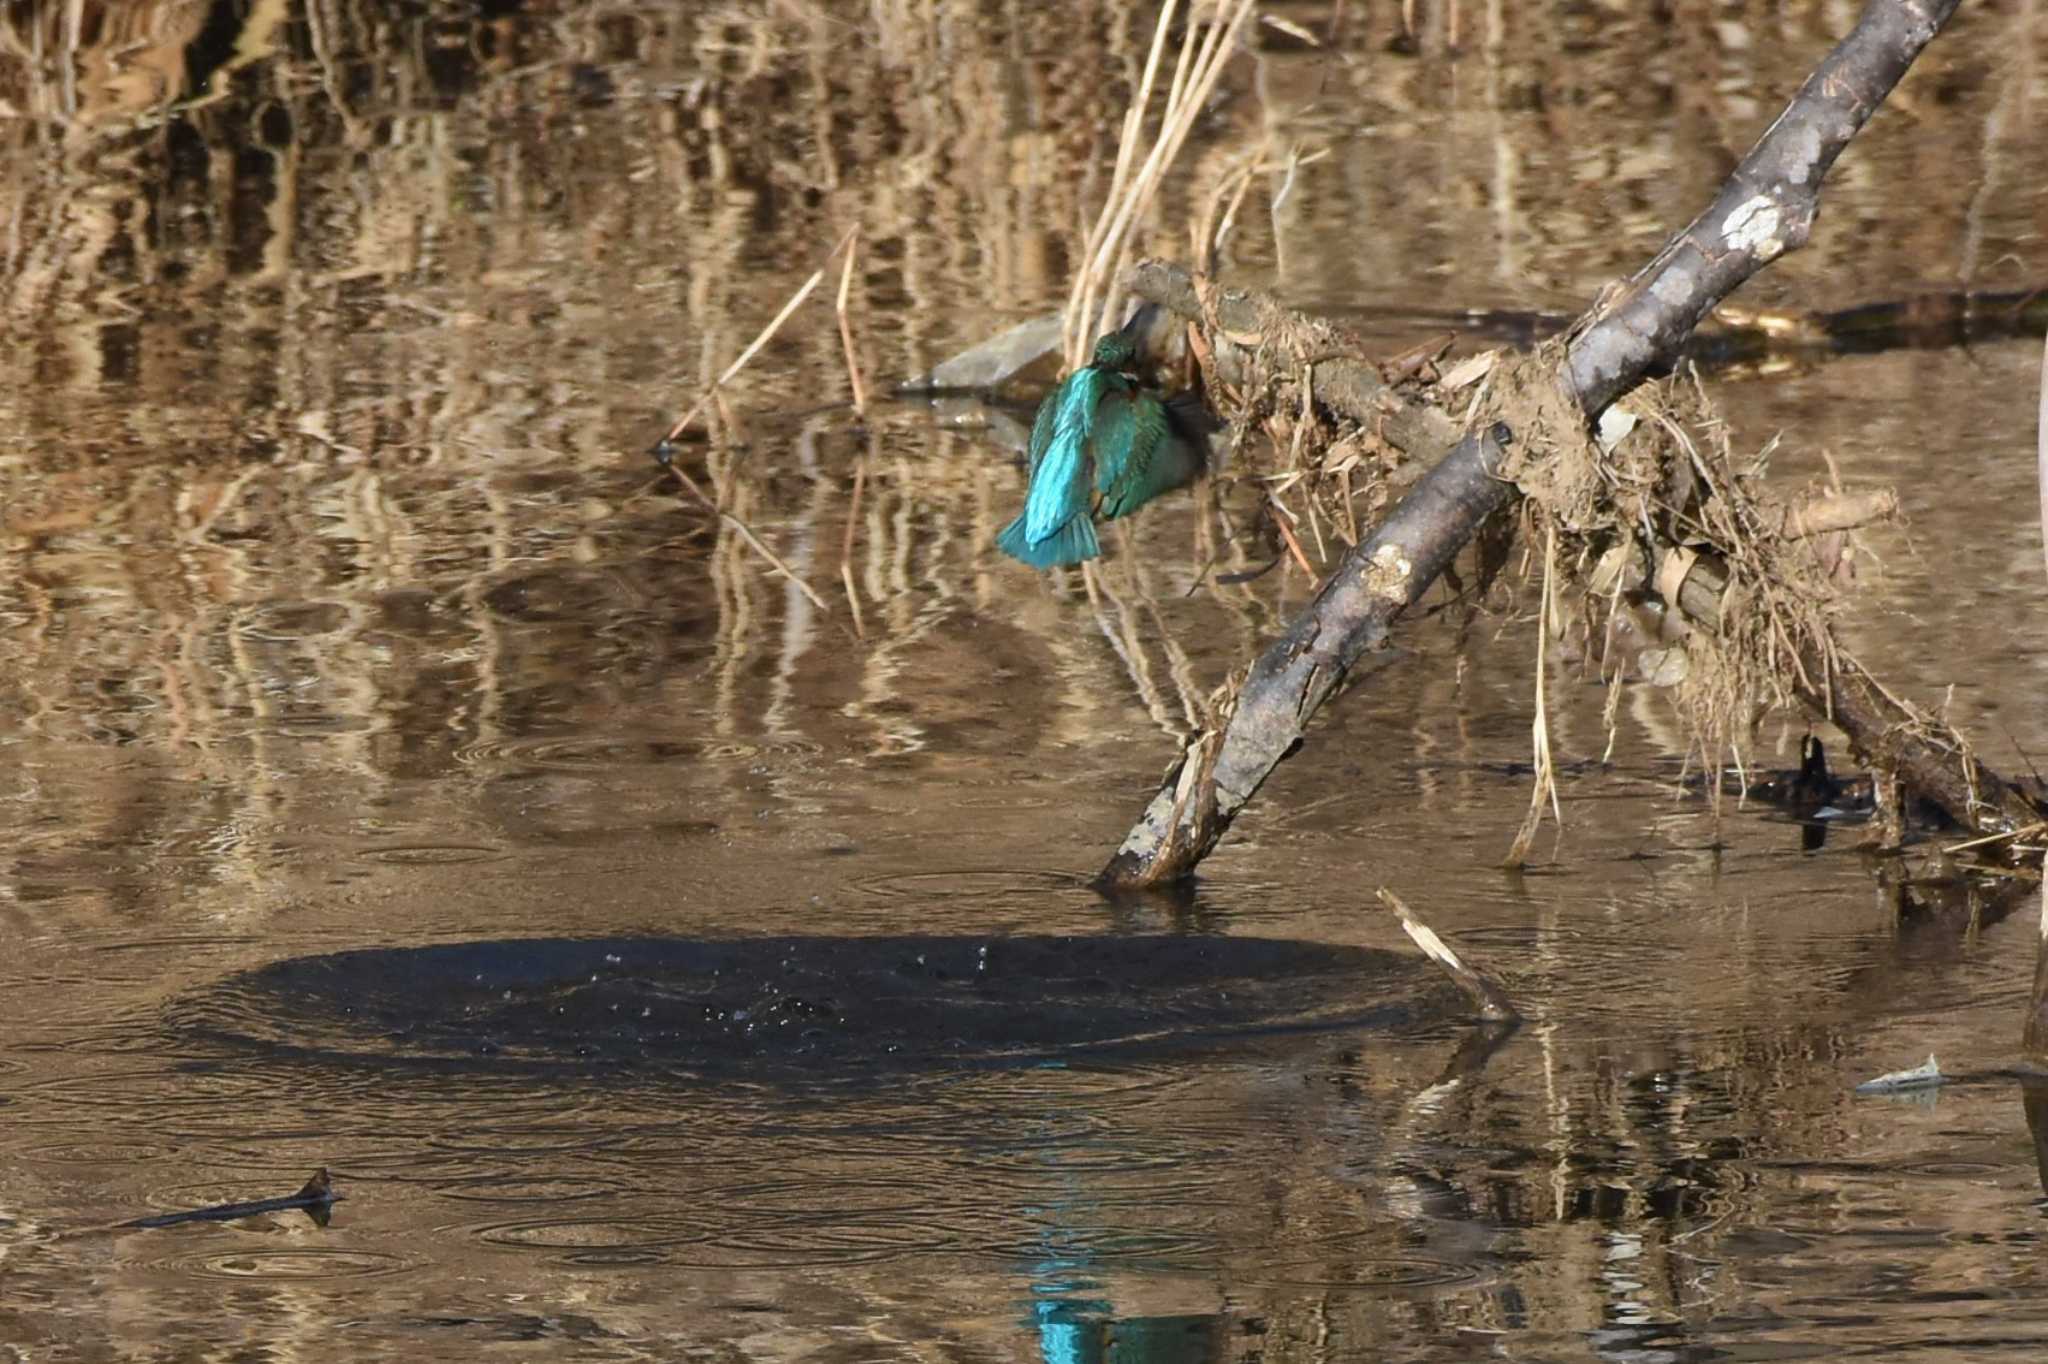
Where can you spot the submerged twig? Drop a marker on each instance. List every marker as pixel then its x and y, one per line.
pixel 314 1198
pixel 1482 989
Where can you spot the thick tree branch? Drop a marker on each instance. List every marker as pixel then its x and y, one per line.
pixel 1767 208
pixel 1250 332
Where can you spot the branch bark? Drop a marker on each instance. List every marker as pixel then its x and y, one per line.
pixel 1766 208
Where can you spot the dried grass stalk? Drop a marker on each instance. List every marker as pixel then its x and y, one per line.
pixel 796 299
pixel 1097 288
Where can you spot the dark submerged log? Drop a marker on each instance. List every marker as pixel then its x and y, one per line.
pixel 1766 208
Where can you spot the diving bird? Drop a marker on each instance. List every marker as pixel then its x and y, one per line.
pixel 1101 445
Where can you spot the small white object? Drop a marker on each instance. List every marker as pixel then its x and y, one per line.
pixel 1615 424
pixel 1919 1077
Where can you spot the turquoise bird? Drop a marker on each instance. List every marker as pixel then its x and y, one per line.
pixel 1101 445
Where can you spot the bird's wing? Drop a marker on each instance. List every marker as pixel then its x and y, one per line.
pixel 1042 428
pixel 1137 455
pixel 1059 477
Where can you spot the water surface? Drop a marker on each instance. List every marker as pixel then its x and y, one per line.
pixel 344 623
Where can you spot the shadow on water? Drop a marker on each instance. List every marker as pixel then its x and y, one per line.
pixel 1070 1110
pixel 790 1007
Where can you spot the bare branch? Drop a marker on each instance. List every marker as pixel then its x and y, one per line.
pixel 1766 208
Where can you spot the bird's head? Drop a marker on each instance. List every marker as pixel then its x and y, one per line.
pixel 1116 351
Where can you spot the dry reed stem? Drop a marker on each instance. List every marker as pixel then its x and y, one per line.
pixel 795 301
pixel 860 478
pixel 1281 518
pixel 1097 290
pixel 860 631
pixel 860 399
pixel 1074 331
pixel 1539 728
pixel 1174 129
pixel 2003 836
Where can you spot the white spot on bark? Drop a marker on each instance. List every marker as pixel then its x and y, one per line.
pixel 1753 227
pixel 1387 576
pixel 1673 287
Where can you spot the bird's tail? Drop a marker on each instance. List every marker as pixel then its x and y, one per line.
pixel 1070 544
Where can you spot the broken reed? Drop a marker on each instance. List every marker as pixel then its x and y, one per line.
pixel 664 449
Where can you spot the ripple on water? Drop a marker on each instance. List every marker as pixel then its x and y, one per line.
pixel 1037 1015
pixel 434 854
pixel 1008 798
pixel 98 1152
pixel 1363 1273
pixel 587 808
pixel 799 1242
pixel 578 753
pixel 642 1231
pixel 295 1265
pixel 1603 974
pixel 174 943
pixel 538 1189
pixel 1952 1169
pixel 1028 1169
pixel 982 884
pixel 624 1257
pixel 141 1096
pixel 757 1223
pixel 1151 1248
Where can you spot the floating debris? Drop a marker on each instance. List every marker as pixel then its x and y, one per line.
pixel 1926 1076
pixel 315 1198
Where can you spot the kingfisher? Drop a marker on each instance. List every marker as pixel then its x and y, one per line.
pixel 1101 445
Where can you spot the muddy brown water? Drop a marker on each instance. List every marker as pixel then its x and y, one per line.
pixel 348 647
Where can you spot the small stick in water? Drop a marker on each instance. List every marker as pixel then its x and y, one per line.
pixel 314 1198
pixel 1481 988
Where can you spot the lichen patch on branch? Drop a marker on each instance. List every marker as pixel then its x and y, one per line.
pixel 1753 226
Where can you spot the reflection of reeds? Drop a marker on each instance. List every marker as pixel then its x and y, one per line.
pixel 391 347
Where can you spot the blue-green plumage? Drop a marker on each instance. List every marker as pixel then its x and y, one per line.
pixel 1103 446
